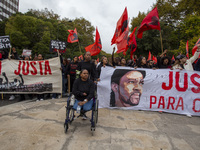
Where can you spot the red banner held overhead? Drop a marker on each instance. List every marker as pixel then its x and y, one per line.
pixel 173 58
pixel 150 22
pixel 121 41
pixel 80 57
pixel 132 44
pixel 195 47
pixel 155 59
pixel 149 57
pixel 73 36
pixel 121 26
pixel 95 48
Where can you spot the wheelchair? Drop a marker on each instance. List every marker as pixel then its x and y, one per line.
pixel 70 113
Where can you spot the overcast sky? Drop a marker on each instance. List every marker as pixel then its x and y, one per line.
pixel 101 13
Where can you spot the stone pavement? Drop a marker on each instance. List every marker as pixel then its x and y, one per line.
pixel 30 125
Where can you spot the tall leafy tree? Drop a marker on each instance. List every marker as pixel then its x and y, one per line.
pixel 34 30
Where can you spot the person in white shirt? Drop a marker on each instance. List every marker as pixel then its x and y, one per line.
pixel 187 63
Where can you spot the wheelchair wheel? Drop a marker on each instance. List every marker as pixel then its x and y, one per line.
pixel 96 110
pixel 70 114
pixel 93 124
pixel 66 127
pixel 95 117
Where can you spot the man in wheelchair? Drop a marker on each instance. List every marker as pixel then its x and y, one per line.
pixel 83 90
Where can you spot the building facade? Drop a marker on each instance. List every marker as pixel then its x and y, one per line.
pixel 7 8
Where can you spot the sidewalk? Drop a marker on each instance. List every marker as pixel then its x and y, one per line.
pixel 30 125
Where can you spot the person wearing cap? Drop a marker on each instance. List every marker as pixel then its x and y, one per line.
pixel 187 63
pixel 177 65
pixel 69 60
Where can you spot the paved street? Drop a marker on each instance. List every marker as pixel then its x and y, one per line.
pixel 30 125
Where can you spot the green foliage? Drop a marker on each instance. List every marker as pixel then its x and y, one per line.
pixel 179 21
pixel 34 30
pixel 2 28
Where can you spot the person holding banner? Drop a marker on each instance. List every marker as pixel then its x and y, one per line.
pixel 71 71
pixel 103 63
pixel 126 87
pixel 187 63
pixel 40 97
pixel 176 65
pixel 14 55
pixel 142 62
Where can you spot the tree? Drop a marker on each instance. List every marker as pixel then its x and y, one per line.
pixel 34 30
pixel 179 20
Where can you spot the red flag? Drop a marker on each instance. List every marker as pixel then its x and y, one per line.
pixel 73 36
pixel 154 59
pixel 80 57
pixel 95 48
pixel 173 59
pixel 122 24
pixel 132 42
pixel 121 42
pixel 187 50
pixel 149 57
pixel 195 47
pixel 151 21
pixel 97 60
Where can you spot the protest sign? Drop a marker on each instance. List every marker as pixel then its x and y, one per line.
pixel 57 45
pixel 26 52
pixel 5 42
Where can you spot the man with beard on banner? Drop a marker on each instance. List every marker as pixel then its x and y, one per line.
pixel 126 87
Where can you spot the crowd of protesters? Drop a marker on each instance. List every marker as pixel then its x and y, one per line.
pixel 70 67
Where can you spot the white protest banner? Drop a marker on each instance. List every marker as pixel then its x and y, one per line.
pixel 26 52
pixel 20 76
pixel 173 91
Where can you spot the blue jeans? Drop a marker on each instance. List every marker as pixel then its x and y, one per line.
pixel 87 106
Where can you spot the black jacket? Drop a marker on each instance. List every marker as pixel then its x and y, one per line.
pixel 71 69
pixel 81 87
pixel 90 67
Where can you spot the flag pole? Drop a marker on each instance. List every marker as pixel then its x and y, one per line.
pixel 79 47
pixel 161 41
pixel 9 53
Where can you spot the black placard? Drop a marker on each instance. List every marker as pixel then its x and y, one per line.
pixel 5 42
pixel 58 45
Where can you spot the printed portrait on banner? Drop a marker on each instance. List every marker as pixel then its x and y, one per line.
pixel 126 87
